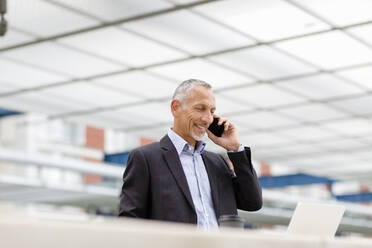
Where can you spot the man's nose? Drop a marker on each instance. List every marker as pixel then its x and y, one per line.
pixel 208 118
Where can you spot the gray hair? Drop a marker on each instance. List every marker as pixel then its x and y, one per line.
pixel 181 91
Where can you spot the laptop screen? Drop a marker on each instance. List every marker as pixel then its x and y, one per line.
pixel 316 219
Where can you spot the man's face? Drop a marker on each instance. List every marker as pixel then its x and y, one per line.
pixel 196 113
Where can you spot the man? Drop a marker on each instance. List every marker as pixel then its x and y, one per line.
pixel 177 180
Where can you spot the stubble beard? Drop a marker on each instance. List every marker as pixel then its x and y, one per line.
pixel 197 137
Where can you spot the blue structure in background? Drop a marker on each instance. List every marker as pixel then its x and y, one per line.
pixel 119 159
pixel 7 112
pixel 306 179
pixel 360 197
pixel 291 180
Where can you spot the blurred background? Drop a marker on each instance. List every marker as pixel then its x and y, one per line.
pixel 83 82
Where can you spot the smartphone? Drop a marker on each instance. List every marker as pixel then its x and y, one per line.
pixel 215 128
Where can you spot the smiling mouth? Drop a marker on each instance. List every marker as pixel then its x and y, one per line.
pixel 201 128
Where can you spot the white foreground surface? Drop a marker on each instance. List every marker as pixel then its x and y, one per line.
pixel 22 229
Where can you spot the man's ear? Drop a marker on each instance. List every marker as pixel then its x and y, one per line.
pixel 175 107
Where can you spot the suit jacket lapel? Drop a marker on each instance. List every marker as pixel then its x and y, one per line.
pixel 174 164
pixel 213 181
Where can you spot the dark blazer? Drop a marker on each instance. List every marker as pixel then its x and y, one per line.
pixel 155 185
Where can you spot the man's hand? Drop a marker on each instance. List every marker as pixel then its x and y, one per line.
pixel 229 139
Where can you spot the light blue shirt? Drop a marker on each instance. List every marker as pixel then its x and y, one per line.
pixel 197 179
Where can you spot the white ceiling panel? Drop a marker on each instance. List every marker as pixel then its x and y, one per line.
pixel 329 50
pixel 132 117
pixel 359 106
pixel 41 103
pixel 44 19
pixel 262 139
pixel 181 1
pixel 139 83
pixel 263 19
pixel 122 46
pixel 225 106
pixel 263 95
pixel 295 149
pixel 363 32
pixel 242 127
pixel 155 112
pixel 111 119
pixel 110 10
pixel 13 38
pixel 362 76
pixel 264 120
pixel 217 76
pixel 62 60
pixel 312 112
pixel 363 155
pixel 6 87
pixel 90 94
pixel 366 139
pixel 23 76
pixel 351 127
pixel 308 133
pixel 320 86
pixel 342 144
pixel 189 32
pixel 263 62
pixel 340 12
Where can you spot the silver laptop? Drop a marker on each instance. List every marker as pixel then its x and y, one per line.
pixel 316 219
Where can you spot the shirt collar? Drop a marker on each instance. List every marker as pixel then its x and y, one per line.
pixel 182 145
